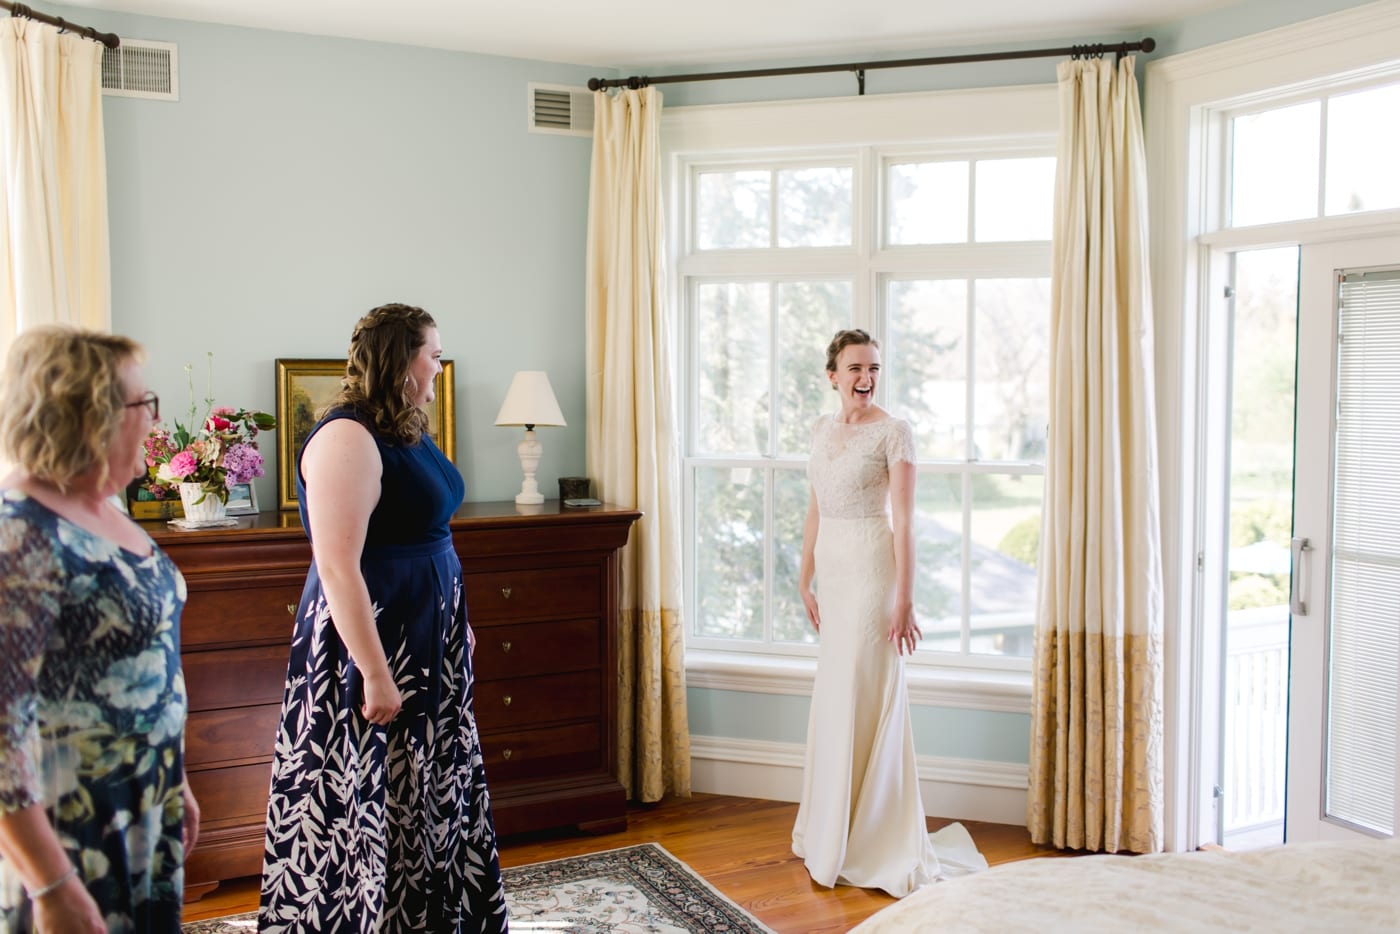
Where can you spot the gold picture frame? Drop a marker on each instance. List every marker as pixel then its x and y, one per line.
pixel 306 387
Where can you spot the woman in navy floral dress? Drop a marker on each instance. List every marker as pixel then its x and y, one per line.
pixel 378 818
pixel 95 816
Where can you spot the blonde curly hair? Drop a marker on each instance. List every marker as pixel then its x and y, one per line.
pixel 64 401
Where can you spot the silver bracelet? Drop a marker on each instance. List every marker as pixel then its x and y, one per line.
pixel 54 885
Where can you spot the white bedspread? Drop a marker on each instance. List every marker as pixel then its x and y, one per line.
pixel 1349 887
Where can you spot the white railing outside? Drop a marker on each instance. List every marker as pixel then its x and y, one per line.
pixel 1256 724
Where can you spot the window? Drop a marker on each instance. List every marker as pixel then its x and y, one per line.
pixel 942 252
pixel 1328 155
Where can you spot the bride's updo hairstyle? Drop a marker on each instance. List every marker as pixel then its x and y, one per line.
pixel 382 347
pixel 855 337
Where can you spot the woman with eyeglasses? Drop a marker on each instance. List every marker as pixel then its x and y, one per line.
pixel 96 819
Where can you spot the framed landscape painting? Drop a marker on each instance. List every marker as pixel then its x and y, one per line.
pixel 306 387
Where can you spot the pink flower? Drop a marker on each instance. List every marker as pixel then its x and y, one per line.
pixel 224 410
pixel 216 423
pixel 182 464
pixel 159 447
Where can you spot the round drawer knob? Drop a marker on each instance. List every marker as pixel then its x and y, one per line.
pixel 505 592
pixel 506 700
pixel 506 754
pixel 505 647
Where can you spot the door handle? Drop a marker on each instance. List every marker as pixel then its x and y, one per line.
pixel 1297 604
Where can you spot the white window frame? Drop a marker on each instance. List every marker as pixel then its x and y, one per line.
pixel 981 122
pixel 1187 96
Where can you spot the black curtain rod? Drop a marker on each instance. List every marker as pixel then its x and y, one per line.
pixel 109 39
pixel 1096 50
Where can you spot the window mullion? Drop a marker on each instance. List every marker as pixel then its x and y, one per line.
pixel 773 209
pixel 971 200
pixel 769 486
pixel 965 621
pixel 970 420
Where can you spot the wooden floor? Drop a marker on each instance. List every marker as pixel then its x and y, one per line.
pixel 741 846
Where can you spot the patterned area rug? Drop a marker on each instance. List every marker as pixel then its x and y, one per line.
pixel 638 889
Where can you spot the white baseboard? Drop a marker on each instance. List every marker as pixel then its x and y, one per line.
pixel 962 788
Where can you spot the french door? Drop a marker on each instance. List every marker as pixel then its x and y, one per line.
pixel 1344 638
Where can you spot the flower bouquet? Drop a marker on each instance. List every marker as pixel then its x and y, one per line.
pixel 222 453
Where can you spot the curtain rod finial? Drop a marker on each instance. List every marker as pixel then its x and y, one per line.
pixel 1149 44
pixel 595 84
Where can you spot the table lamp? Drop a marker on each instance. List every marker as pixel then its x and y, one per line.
pixel 530 401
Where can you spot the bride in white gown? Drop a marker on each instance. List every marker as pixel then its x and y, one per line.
pixel 861 820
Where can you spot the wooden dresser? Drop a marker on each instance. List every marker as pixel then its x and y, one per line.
pixel 541 585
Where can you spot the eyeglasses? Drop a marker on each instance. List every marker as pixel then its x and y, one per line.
pixel 151 401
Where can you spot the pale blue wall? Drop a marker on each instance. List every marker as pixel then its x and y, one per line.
pixel 301 180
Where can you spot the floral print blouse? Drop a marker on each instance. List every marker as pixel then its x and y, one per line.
pixel 92 711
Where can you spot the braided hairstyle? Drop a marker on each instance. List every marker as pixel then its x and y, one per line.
pixel 382 347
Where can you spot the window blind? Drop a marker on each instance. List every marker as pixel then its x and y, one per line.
pixel 1364 623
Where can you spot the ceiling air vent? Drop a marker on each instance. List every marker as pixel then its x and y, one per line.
pixel 139 68
pixel 554 108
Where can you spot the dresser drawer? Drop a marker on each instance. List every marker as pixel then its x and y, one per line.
pixel 502 706
pixel 230 613
pixel 233 795
pixel 215 736
pixel 533 593
pixel 522 649
pixel 235 677
pixel 542 753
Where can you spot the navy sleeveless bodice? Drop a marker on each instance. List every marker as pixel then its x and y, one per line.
pixel 418 492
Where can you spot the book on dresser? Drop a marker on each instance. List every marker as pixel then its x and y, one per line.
pixel 541 584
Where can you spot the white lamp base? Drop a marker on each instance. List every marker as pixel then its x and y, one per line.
pixel 529 450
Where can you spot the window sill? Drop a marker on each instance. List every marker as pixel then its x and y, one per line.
pixel 999 691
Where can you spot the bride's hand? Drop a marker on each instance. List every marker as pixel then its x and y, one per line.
pixel 904 629
pixel 809 600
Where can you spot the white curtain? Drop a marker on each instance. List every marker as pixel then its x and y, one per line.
pixel 54 264
pixel 633 454
pixel 1096 768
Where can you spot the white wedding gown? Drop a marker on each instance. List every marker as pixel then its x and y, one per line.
pixel 861 820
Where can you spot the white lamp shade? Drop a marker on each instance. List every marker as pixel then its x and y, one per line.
pixel 530 401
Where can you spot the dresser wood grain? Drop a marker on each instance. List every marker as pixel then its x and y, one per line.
pixel 542 597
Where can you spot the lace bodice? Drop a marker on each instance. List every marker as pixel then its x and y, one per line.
pixel 850 465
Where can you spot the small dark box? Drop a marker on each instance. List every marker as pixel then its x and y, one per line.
pixel 574 488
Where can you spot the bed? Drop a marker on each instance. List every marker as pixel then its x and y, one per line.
pixel 1351 887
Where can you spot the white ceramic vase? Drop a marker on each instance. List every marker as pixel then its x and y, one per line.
pixel 211 508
